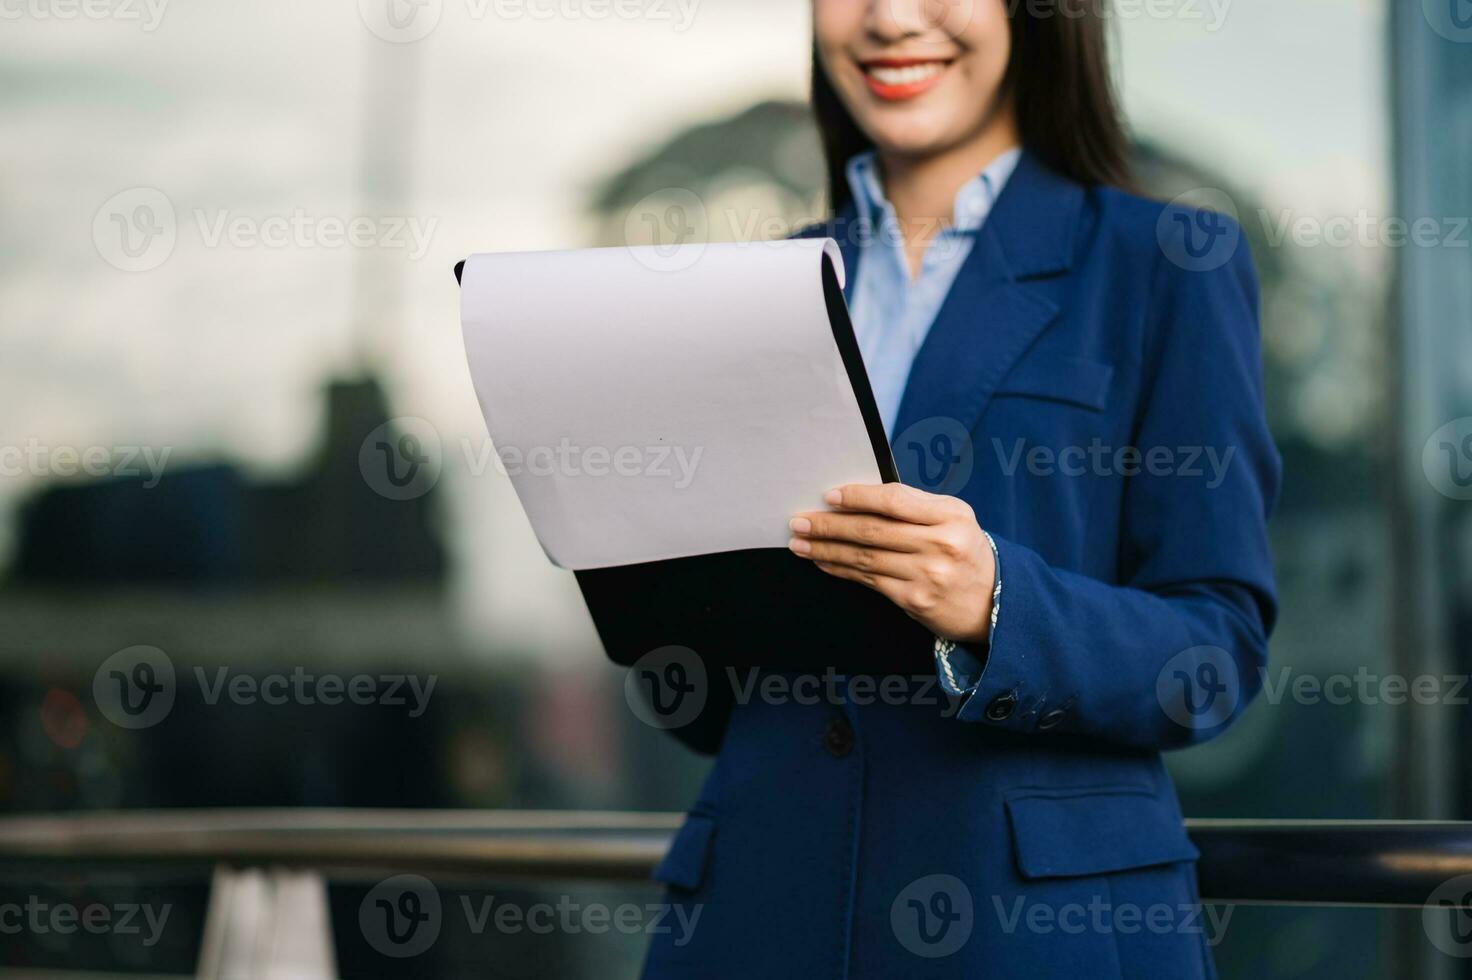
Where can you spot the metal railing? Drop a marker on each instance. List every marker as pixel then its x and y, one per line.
pixel 268 911
pixel 1354 863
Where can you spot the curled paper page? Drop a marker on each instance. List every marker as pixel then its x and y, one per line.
pixel 652 402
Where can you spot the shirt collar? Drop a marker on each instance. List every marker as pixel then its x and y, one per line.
pixel 973 201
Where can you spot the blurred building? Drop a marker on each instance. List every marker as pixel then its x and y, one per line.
pixel 214 525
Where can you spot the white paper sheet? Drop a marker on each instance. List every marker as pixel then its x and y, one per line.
pixel 651 403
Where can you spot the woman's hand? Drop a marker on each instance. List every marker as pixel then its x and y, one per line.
pixel 923 551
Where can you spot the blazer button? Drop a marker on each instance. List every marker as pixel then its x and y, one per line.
pixel 1002 707
pixel 838 738
pixel 1051 720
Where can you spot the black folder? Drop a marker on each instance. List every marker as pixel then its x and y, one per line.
pixel 763 607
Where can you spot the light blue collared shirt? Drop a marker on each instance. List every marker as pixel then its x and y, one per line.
pixel 891 313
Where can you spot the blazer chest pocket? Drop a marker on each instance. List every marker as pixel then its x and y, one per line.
pixel 1059 378
pixel 1067 833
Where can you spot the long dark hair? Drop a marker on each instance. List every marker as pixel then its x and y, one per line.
pixel 1058 77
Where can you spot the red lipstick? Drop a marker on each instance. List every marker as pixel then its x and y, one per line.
pixel 898 79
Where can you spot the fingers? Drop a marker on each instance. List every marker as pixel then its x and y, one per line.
pixel 893 500
pixel 890 588
pixel 869 530
pixel 873 561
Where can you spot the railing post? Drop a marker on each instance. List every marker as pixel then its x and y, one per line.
pixel 267 925
pixel 1431 529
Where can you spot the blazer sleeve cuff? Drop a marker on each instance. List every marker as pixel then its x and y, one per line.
pixel 960 666
pixel 1009 689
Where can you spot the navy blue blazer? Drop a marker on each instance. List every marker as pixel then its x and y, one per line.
pixel 1100 354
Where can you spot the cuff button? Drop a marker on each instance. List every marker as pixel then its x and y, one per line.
pixel 1051 719
pixel 1002 707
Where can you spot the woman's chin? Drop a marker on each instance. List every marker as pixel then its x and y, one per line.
pixel 910 141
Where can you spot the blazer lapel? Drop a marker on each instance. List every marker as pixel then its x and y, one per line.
pixel 993 314
pixel 847 233
pixel 845 230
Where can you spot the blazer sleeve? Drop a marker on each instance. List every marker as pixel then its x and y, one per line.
pixel 1172 654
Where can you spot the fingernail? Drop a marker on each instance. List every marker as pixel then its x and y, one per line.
pixel 799 546
pixel 800 525
pixel 834 496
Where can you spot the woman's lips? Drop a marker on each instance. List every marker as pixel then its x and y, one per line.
pixel 897 79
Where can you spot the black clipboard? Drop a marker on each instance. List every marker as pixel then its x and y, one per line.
pixel 763 607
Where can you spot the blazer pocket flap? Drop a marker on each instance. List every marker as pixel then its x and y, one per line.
pixel 684 863
pixel 1094 831
pixel 1076 380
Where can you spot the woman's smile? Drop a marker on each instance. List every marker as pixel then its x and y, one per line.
pixel 898 79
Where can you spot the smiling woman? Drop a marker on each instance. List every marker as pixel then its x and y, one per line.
pixel 1002 72
pixel 1005 290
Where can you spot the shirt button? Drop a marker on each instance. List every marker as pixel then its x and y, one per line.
pixel 838 738
pixel 1002 707
pixel 1051 720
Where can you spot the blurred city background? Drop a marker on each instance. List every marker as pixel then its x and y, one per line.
pixel 237 383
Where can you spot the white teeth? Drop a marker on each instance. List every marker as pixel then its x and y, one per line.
pixel 908 75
